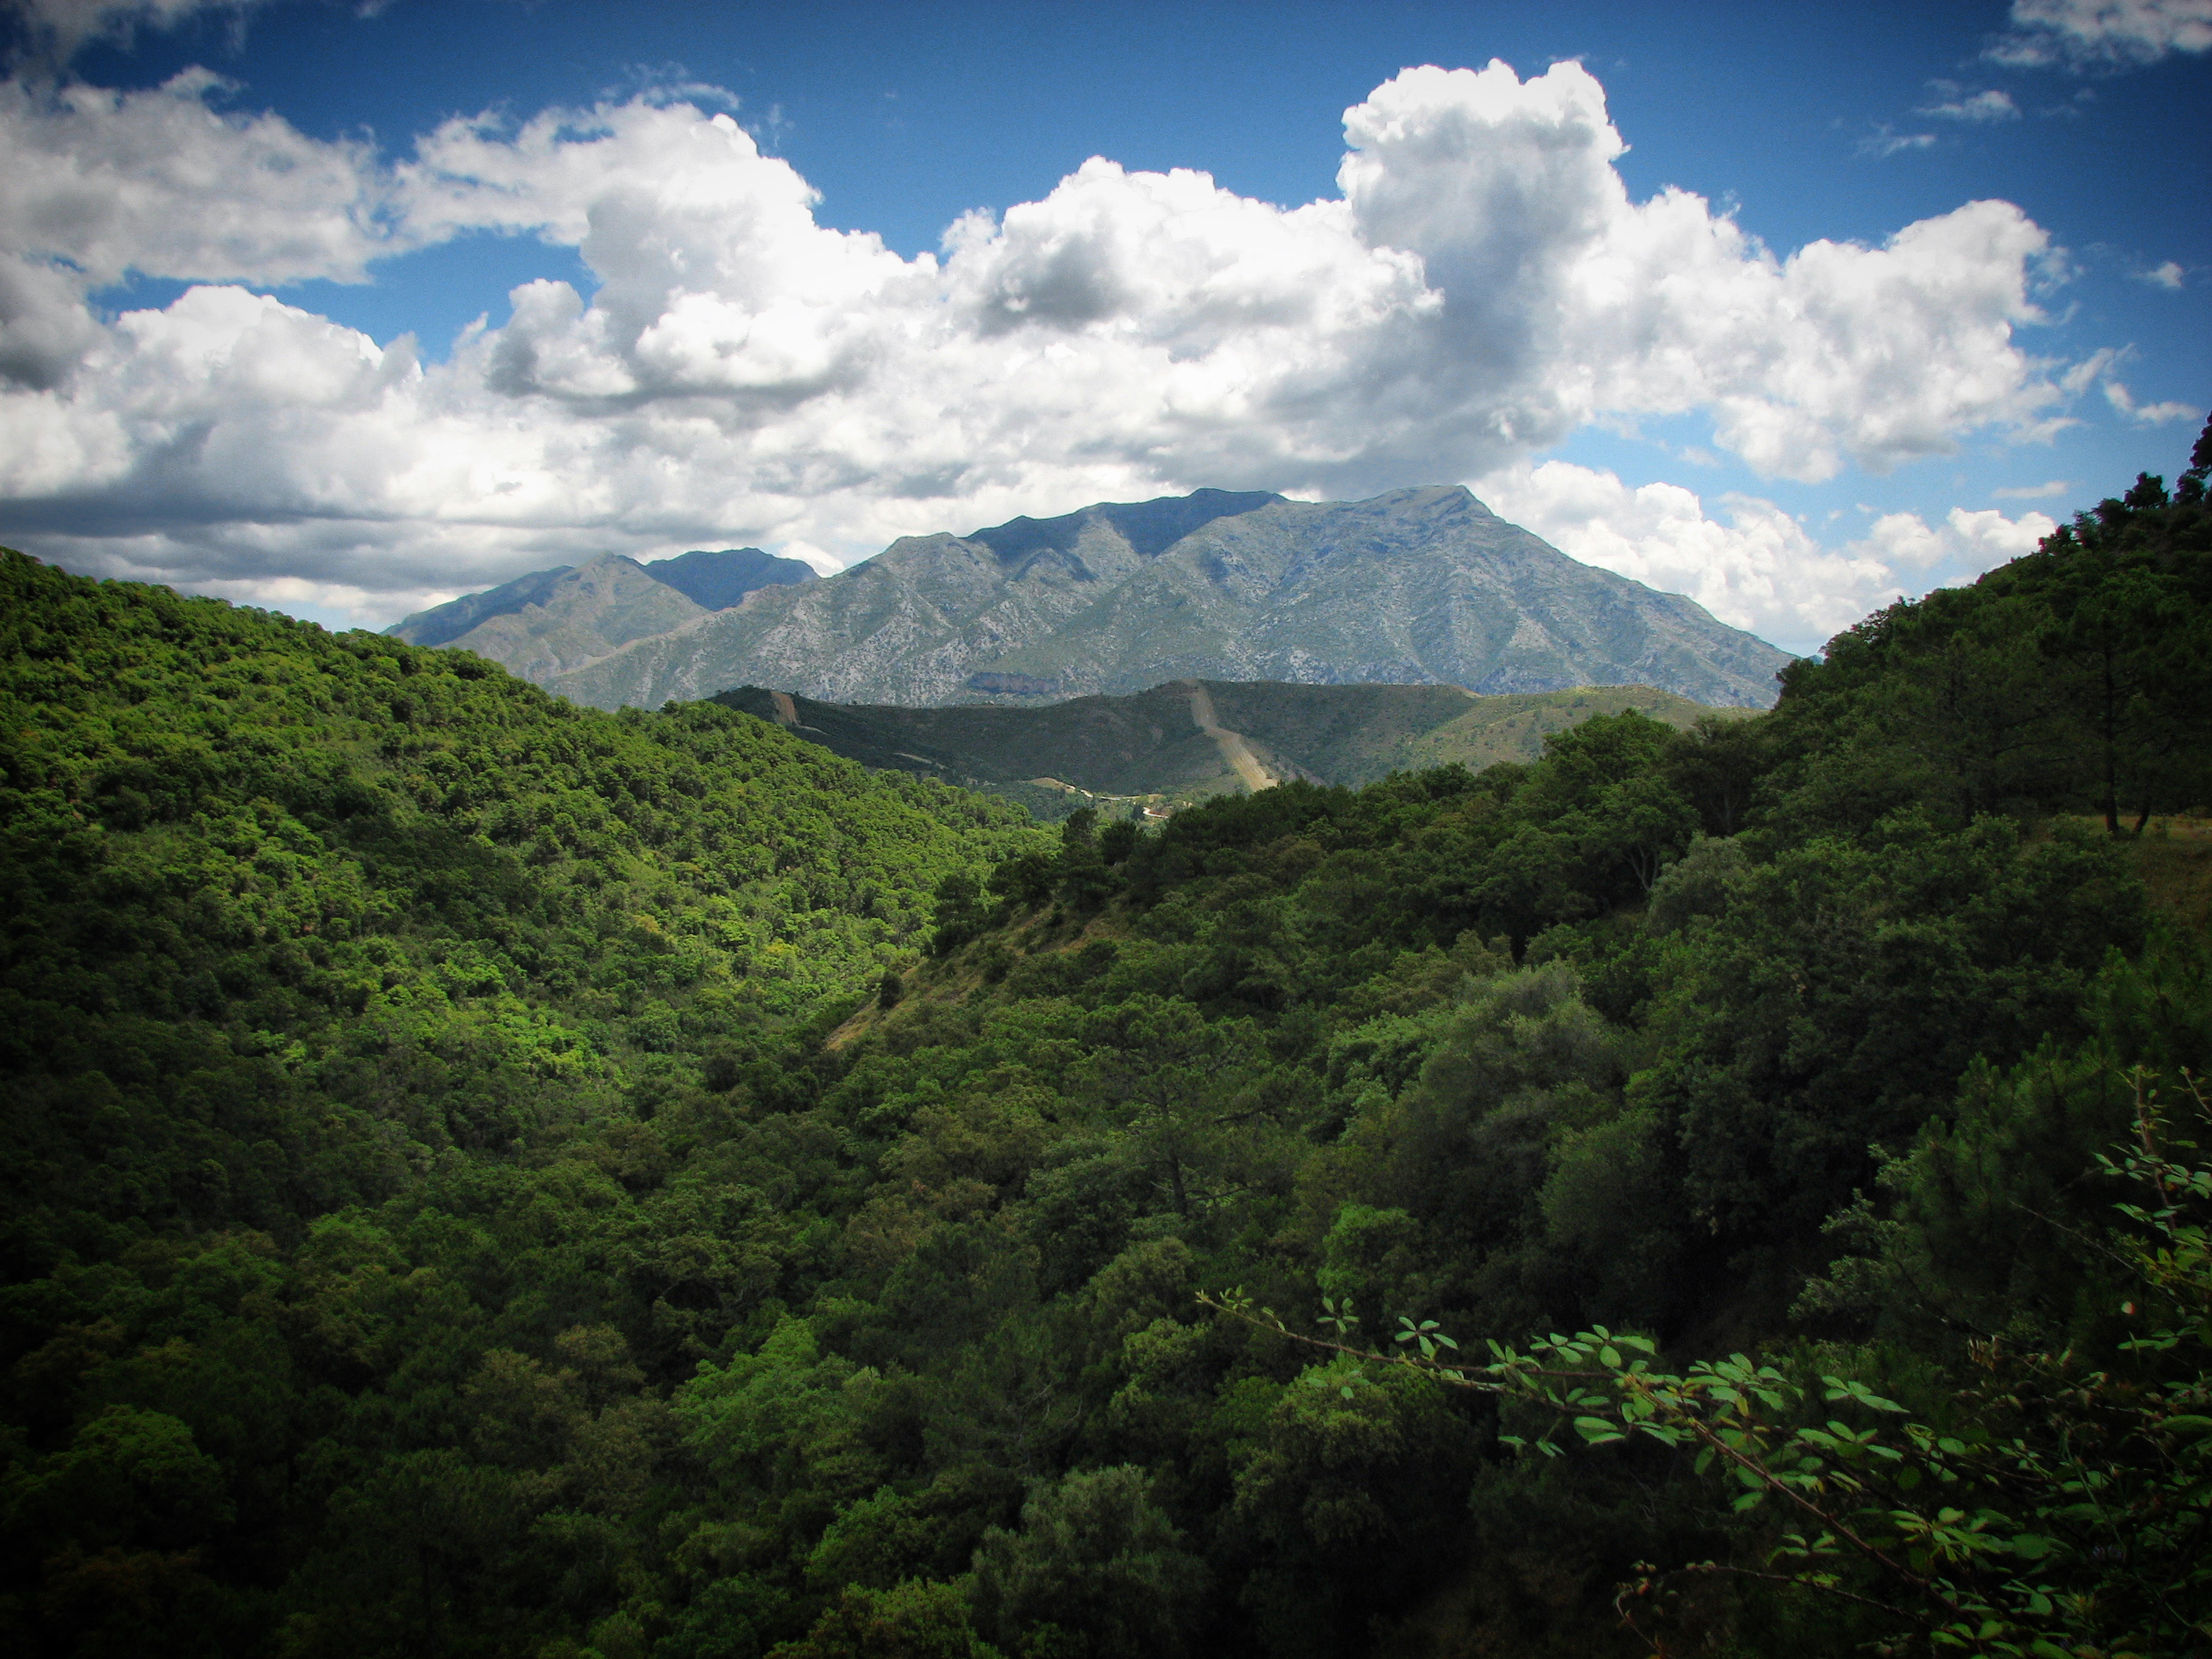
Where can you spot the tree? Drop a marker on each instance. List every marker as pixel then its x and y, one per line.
pixel 913 1620
pixel 960 912
pixel 1098 1561
pixel 2056 1509
pixel 1717 766
pixel 2137 643
pixel 1170 1079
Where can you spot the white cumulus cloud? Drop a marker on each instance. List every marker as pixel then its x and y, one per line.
pixel 1753 566
pixel 162 182
pixel 2116 394
pixel 1965 544
pixel 1481 285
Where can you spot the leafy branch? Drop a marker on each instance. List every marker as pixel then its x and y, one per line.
pixel 2071 1516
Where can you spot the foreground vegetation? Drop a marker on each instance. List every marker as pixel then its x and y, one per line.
pixel 487 1178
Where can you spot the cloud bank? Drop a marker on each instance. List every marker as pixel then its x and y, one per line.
pixel 1481 286
pixel 1755 566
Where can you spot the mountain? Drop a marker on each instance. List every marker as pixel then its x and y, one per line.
pixel 582 615
pixel 1180 742
pixel 719 581
pixel 1417 586
pixel 442 624
pixel 551 621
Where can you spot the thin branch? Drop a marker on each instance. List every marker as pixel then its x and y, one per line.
pixel 1805 1583
pixel 1681 1414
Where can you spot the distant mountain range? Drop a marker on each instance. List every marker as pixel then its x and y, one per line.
pixel 1418 587
pixel 551 621
pixel 1178 743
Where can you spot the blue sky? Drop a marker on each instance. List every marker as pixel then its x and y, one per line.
pixel 1787 468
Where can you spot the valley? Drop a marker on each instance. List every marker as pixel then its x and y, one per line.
pixel 487 1175
pixel 993 831
pixel 1183 741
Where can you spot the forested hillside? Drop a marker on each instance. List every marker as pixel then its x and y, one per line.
pixel 459 1205
pixel 1112 753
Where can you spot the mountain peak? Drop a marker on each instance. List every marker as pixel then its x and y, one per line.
pixel 1424 585
pixel 720 580
pixel 441 624
pixel 1149 527
pixel 700 580
pixel 1423 501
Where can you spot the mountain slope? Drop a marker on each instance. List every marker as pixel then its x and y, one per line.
pixel 1418 586
pixel 720 580
pixel 153 744
pixel 444 623
pixel 551 620
pixel 585 615
pixel 1156 744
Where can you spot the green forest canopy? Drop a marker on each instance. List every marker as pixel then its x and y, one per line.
pixel 489 1177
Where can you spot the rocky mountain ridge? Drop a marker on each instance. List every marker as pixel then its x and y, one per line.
pixel 1416 587
pixel 551 621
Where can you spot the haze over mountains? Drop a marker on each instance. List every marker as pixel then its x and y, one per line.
pixel 1416 587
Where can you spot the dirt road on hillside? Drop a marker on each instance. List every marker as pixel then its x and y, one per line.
pixel 1233 748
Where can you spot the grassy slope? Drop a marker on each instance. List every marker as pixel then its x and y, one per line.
pixel 1356 734
pixel 2174 858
